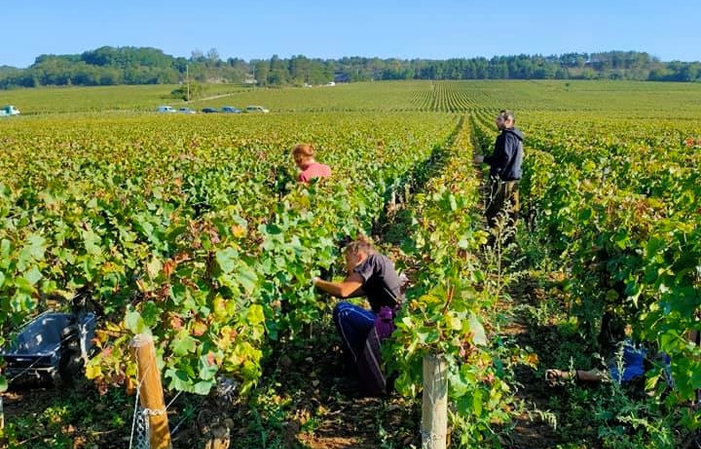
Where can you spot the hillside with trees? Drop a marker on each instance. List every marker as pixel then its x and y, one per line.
pixel 108 66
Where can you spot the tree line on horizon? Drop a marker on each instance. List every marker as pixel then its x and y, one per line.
pixel 107 66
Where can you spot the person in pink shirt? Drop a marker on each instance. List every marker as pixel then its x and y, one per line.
pixel 304 158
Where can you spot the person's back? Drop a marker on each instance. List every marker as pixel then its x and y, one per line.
pixel 505 174
pixel 508 155
pixel 304 159
pixel 382 284
pixel 314 170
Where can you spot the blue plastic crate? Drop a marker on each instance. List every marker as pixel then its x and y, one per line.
pixel 52 347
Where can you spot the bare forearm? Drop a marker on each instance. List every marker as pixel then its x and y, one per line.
pixel 332 288
pixel 340 289
pixel 357 293
pixel 344 289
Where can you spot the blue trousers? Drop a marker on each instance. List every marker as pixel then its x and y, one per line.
pixel 353 324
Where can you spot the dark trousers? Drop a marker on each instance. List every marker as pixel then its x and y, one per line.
pixel 353 324
pixel 503 201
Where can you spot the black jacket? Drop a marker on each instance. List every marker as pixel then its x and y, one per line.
pixel 506 160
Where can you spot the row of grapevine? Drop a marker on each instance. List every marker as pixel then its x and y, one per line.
pixel 453 302
pixel 193 230
pixel 616 202
pixel 621 200
pixel 444 96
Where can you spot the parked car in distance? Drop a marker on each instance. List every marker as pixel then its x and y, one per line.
pixel 209 110
pixel 256 109
pixel 231 110
pixel 164 109
pixel 8 110
pixel 187 111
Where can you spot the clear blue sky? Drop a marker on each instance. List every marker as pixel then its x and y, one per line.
pixel 436 29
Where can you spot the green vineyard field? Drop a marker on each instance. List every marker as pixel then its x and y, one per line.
pixel 192 228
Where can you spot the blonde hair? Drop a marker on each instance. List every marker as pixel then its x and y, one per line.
pixel 360 244
pixel 303 152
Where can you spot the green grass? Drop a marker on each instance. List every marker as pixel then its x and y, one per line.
pixel 621 99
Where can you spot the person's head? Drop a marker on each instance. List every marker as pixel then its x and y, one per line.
pixel 357 251
pixel 505 119
pixel 303 155
pixel 612 332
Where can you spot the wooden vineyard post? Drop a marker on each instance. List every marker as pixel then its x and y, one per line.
pixel 151 391
pixel 434 410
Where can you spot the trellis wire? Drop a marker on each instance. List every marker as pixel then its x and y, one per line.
pixel 140 422
pixel 143 440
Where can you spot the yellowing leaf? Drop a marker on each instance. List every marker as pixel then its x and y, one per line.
pixel 93 371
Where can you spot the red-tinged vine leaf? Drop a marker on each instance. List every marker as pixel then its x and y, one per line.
pixel 199 328
pixel 169 268
pixel 207 367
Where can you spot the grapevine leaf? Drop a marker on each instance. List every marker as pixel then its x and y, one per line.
pixel 255 314
pixel 154 267
pixel 183 344
pixel 247 278
pixel 202 387
pixel 32 276
pixel 478 335
pixel 92 242
pixel 36 245
pixel 178 379
pixel 227 259
pixel 207 368
pixel 135 323
pixel 93 371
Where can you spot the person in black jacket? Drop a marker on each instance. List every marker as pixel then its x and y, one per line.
pixel 505 170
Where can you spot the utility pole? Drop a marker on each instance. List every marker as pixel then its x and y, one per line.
pixel 187 78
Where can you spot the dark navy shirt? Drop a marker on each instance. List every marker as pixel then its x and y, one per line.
pixel 506 160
